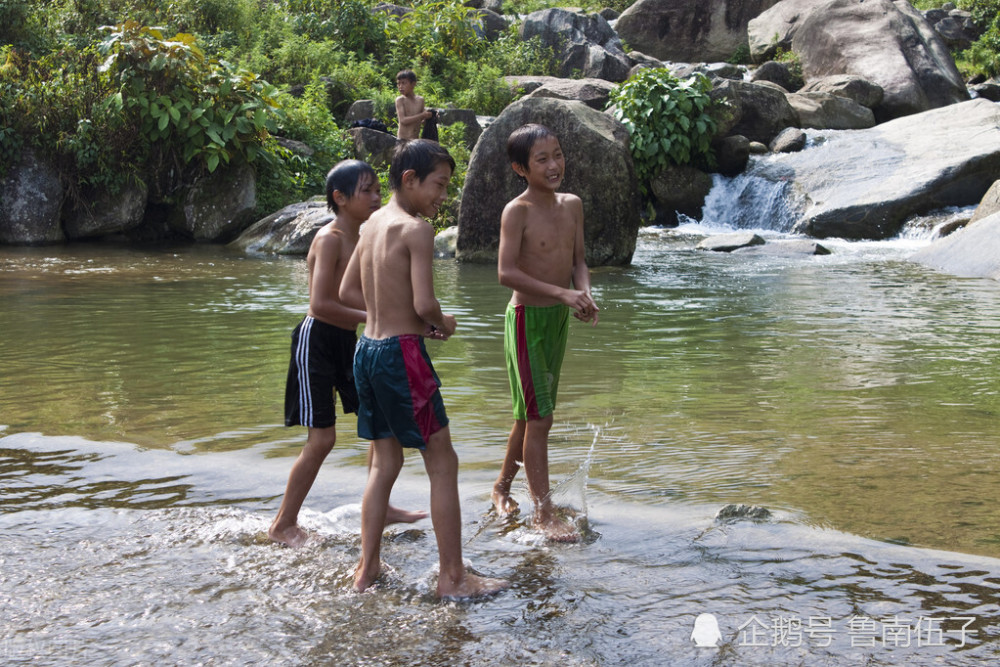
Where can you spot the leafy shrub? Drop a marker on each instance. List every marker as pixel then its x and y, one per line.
pixel 669 121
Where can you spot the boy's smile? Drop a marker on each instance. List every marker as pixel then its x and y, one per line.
pixel 546 164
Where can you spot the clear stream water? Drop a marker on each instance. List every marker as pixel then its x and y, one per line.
pixel 855 396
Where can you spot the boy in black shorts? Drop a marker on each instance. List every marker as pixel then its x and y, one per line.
pixel 323 344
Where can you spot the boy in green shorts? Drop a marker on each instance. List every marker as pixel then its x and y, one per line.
pixel 541 258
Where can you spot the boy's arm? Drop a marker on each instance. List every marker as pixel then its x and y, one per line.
pixel 512 223
pixel 420 243
pixel 350 293
pixel 324 298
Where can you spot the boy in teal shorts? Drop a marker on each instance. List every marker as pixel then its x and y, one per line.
pixel 541 258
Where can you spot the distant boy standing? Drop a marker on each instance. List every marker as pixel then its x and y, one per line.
pixel 391 276
pixel 323 343
pixel 541 258
pixel 409 107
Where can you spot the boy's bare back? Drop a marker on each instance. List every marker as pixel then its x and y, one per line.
pixel 391 253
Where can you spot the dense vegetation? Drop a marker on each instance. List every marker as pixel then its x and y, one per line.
pixel 164 91
pixel 198 83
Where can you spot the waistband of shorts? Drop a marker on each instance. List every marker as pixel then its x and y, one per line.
pixel 521 306
pixel 326 325
pixel 391 340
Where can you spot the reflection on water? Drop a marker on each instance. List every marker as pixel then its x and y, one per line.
pixel 855 395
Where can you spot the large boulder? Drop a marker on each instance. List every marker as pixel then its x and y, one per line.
pixel 758 112
pixel 689 30
pixel 910 166
pixel 824 111
pixel 31 198
pixel 289 231
pixel 886 41
pixel 373 146
pixel 592 92
pixel 218 206
pixel 679 189
pixel 467 117
pixel 103 213
pixel 856 88
pixel 599 170
pixel 584 44
pixel 971 252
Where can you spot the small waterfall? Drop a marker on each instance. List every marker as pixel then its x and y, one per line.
pixel 759 198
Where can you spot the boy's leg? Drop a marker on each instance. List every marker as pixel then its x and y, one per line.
pixel 536 468
pixel 395 514
pixel 284 528
pixel 441 463
pixel 512 461
pixel 387 460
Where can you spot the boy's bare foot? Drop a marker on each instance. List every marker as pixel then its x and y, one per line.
pixel 557 530
pixel 470 586
pixel 396 515
pixel 291 536
pixel 503 503
pixel 365 576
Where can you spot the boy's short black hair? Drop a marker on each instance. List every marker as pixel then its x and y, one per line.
pixel 421 155
pixel 407 74
pixel 347 176
pixel 521 140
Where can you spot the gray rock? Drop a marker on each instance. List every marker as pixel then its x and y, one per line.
pixel 823 111
pixel 218 206
pixel 289 231
pixel 680 189
pixel 988 91
pixel 610 196
pixel 730 242
pixel 856 88
pixel 944 157
pixel 760 112
pixel 445 242
pixel 989 204
pixel 360 110
pixel 785 248
pixel 373 146
pixel 493 24
pixel 592 92
pixel 791 140
pixel 103 213
pixel 31 198
pixel 732 153
pixel 971 252
pixel 689 30
pixel 584 44
pixel 890 43
pixel 737 512
pixel 778 73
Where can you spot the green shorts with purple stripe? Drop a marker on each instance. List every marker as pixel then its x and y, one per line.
pixel 534 346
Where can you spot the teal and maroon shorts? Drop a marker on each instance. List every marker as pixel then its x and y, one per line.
pixel 534 346
pixel 398 391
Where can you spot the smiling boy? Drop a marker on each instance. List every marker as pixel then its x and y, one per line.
pixel 541 258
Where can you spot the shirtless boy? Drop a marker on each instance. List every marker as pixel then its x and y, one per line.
pixel 541 258
pixel 390 275
pixel 323 344
pixel 409 107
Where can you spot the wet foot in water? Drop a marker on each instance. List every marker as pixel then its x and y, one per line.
pixel 396 515
pixel 557 530
pixel 503 503
pixel 470 586
pixel 290 536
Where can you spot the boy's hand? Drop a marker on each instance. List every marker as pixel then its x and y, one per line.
pixel 584 307
pixel 443 333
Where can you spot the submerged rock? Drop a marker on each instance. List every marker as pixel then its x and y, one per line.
pixel 730 242
pixel 740 512
pixel 971 252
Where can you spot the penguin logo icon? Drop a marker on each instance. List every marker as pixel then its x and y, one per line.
pixel 706 631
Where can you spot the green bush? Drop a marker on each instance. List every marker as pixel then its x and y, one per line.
pixel 669 121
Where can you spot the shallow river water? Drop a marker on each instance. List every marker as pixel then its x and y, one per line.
pixel 854 396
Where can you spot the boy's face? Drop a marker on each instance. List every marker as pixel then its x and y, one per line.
pixel 367 199
pixel 405 86
pixel 546 165
pixel 427 196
